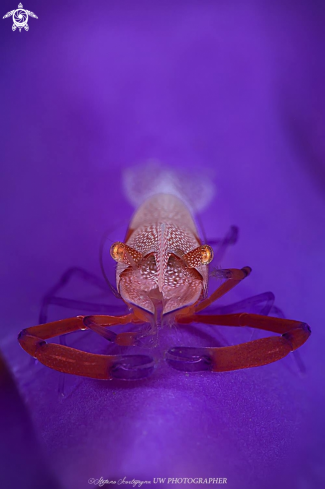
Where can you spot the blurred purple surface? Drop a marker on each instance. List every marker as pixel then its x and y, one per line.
pixel 234 88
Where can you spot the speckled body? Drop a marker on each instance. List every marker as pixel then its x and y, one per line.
pixel 162 230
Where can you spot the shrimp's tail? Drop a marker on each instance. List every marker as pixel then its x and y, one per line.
pixel 195 188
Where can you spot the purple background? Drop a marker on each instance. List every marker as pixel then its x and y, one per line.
pixel 233 88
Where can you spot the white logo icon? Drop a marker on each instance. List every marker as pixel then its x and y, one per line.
pixel 20 18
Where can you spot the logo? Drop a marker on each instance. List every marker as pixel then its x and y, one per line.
pixel 20 18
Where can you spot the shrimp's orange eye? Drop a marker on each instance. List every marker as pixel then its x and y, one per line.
pixel 202 255
pixel 117 251
pixel 206 254
pixel 121 252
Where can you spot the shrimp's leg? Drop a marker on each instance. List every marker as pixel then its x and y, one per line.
pixel 76 362
pixel 258 304
pixel 251 354
pixel 233 277
pixel 50 297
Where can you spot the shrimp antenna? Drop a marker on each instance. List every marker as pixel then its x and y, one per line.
pixel 101 262
pixel 200 223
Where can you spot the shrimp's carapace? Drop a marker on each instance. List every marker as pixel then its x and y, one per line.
pixel 173 264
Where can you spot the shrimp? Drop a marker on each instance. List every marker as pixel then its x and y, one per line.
pixel 162 276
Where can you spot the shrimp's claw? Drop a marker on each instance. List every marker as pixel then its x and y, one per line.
pixel 246 355
pixel 69 360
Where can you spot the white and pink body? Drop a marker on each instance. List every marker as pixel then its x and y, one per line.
pixel 163 231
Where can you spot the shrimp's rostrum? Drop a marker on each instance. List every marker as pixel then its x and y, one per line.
pixel 163 268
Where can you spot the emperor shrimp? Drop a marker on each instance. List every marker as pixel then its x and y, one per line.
pixel 162 273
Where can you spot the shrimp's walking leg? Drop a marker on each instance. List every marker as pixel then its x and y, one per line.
pixel 76 362
pixel 50 297
pixel 251 354
pixel 233 275
pixel 258 304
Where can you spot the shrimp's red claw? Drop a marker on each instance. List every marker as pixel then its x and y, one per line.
pixel 189 359
pixel 103 367
pixel 69 360
pixel 246 355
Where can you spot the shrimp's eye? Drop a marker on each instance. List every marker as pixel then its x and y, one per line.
pixel 202 255
pixel 121 252
pixel 117 251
